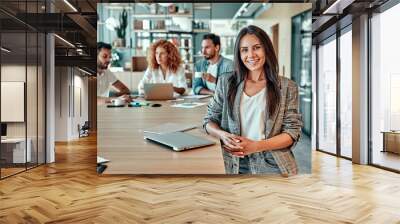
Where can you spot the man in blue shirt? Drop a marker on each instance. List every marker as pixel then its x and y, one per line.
pixel 211 67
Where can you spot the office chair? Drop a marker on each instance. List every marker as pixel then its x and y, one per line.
pixel 84 130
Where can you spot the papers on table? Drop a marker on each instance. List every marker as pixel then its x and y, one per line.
pixel 102 160
pixel 189 105
pixel 195 97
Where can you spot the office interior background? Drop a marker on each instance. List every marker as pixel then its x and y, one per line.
pixel 184 24
pixel 48 79
pixel 356 77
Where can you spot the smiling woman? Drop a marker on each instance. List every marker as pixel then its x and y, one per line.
pixel 254 112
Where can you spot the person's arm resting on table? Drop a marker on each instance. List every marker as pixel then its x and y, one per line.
pixel 121 87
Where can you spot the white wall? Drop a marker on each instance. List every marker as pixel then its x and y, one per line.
pixel 61 103
pixel 71 102
pixel 16 73
pixel 33 127
pixel 282 13
pixel 80 108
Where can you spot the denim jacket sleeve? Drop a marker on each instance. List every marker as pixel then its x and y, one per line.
pixel 198 83
pixel 225 66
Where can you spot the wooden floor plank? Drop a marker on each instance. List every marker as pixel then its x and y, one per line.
pixel 70 191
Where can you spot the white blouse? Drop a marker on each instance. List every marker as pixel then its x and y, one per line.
pixel 252 115
pixel 156 76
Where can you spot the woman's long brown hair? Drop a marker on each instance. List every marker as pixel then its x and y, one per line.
pixel 271 68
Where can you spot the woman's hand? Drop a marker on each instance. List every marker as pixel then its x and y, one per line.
pixel 210 78
pixel 178 90
pixel 244 146
pixel 230 141
pixel 248 146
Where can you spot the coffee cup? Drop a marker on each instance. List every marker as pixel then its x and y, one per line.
pixel 117 102
pixel 198 74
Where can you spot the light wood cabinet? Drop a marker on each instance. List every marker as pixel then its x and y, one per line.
pixel 391 142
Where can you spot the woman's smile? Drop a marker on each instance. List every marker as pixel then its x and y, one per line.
pixel 252 62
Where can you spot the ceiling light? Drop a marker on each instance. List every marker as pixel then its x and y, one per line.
pixel 338 6
pixel 70 5
pixel 64 40
pixel 84 71
pixel 5 49
pixel 240 11
pixel 165 4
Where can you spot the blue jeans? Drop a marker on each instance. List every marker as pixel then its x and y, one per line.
pixel 270 164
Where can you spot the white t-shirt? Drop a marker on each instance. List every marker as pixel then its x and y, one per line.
pixel 104 82
pixel 212 69
pixel 252 115
pixel 156 76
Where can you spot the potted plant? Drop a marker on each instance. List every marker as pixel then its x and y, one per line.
pixel 121 29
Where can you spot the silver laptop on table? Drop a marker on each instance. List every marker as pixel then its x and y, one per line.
pixel 158 91
pixel 178 141
pixel 169 127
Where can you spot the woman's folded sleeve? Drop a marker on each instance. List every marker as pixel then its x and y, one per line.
pixel 292 120
pixel 215 106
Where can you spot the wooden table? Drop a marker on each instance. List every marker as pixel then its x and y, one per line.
pixel 120 139
pixel 391 141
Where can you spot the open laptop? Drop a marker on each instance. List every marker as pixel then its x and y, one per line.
pixel 178 141
pixel 158 91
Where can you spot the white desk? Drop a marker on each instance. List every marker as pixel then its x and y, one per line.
pixel 18 149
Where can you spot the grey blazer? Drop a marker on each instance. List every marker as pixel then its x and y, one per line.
pixel 286 119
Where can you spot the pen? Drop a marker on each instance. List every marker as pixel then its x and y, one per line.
pixel 177 100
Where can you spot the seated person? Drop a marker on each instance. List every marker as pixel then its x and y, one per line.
pixel 211 67
pixel 164 66
pixel 105 78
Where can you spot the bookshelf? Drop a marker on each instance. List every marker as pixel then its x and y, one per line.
pixel 176 22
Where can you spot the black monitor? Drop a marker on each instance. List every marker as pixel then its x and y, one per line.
pixel 3 129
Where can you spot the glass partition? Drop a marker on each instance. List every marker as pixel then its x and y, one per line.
pixel 327 96
pixel 32 98
pixel 14 145
pixel 385 89
pixel 22 90
pixel 41 96
pixel 346 93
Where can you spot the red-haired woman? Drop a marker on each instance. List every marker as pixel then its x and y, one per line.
pixel 164 66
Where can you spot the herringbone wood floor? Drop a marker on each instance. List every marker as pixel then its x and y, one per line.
pixel 70 191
